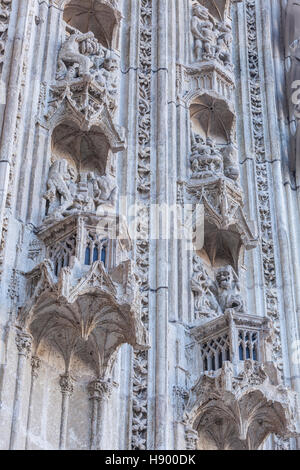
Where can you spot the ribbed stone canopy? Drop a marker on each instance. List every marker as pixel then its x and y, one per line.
pixel 212 117
pixel 217 8
pixel 93 15
pixel 88 149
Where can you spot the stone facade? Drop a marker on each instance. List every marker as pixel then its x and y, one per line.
pixel 124 125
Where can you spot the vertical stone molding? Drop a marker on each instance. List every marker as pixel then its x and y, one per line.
pixel 140 363
pixel 263 185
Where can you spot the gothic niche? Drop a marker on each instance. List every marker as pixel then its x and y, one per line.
pixel 101 17
pixel 87 72
pixel 214 152
pixel 216 295
pixel 81 175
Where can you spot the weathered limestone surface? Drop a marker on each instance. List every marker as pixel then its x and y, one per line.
pixel 115 117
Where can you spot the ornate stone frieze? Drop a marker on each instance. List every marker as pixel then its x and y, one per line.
pixel 265 221
pixel 140 365
pixel 232 410
pixel 208 78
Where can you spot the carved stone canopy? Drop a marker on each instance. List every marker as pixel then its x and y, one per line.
pixel 213 117
pixel 83 105
pixel 238 411
pixel 226 228
pixel 88 149
pixel 219 9
pixel 87 312
pixel 99 16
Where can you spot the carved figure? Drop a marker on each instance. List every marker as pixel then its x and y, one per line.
pixel 203 32
pixel 229 290
pixel 204 288
pixel 224 42
pixel 206 159
pixel 107 79
pixel 59 195
pixel 70 54
pixel 231 169
pixel 104 190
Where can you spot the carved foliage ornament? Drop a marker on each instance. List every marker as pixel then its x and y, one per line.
pixel 140 366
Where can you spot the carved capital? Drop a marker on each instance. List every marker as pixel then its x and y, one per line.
pixel 100 389
pixel 24 342
pixel 191 437
pixel 66 384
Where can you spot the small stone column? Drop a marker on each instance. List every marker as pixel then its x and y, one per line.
pixel 23 343
pixel 66 386
pixel 191 438
pixel 35 365
pixel 99 390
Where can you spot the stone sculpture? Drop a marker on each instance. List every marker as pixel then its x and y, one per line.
pixel 229 290
pixel 70 54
